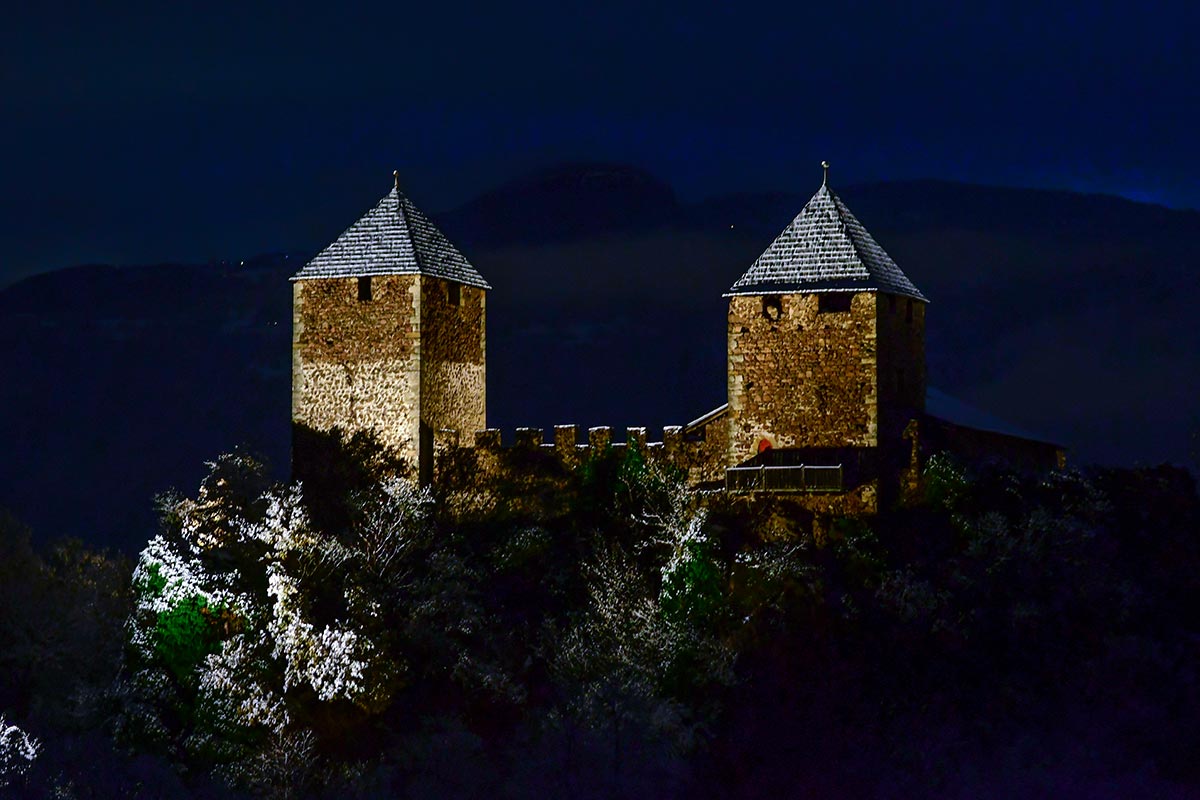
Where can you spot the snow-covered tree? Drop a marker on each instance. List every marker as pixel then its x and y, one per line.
pixel 650 640
pixel 260 644
pixel 246 618
pixel 18 751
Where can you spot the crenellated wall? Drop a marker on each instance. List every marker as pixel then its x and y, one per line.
pixel 538 464
pixel 697 456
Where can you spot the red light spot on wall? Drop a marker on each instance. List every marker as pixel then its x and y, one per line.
pixel 763 445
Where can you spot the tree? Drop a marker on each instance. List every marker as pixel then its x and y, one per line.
pixel 636 667
pixel 18 751
pixel 251 629
pixel 260 645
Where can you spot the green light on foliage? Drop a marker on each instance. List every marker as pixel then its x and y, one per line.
pixel 945 482
pixel 694 589
pixel 184 634
pixel 154 583
pixel 633 466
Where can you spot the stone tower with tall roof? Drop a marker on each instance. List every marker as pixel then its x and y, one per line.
pixel 388 335
pixel 826 344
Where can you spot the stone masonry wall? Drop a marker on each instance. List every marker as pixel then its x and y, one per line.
pixel 799 377
pixel 700 460
pixel 529 475
pixel 705 460
pixel 453 378
pixel 901 344
pixel 356 364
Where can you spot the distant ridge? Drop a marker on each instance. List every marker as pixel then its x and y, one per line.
pixel 1068 315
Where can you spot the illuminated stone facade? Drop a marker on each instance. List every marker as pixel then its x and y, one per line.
pixel 801 376
pixel 825 373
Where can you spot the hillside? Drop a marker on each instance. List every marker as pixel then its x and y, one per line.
pixel 1066 314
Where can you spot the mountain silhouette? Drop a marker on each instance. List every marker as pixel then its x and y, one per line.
pixel 1069 315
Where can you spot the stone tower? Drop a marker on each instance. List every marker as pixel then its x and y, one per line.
pixel 826 348
pixel 388 336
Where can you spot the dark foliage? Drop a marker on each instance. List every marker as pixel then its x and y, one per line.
pixel 1012 635
pixel 1015 636
pixel 333 467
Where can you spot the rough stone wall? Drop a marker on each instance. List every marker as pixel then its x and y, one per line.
pixel 785 517
pixel 799 377
pixel 901 345
pixel 860 501
pixel 356 364
pixel 533 458
pixel 453 344
pixel 533 472
pixel 703 451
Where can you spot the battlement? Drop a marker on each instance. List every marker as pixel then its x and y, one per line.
pixel 534 463
pixel 568 437
pixel 701 457
pixel 570 441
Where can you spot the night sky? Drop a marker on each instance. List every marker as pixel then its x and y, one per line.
pixel 138 133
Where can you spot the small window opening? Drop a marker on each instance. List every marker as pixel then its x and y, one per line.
pixel 772 307
pixel 834 302
pixel 364 289
pixel 453 293
pixel 908 312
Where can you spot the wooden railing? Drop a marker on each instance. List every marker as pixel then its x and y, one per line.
pixel 802 478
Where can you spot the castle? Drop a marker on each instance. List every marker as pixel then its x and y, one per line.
pixel 826 377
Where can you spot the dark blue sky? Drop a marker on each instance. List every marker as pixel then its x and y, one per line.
pixel 176 131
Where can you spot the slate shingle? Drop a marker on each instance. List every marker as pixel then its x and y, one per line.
pixel 393 238
pixel 824 249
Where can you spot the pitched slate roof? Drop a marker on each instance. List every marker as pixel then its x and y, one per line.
pixel 393 238
pixel 824 249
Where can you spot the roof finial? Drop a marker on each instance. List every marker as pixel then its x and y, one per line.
pixel 825 178
pixel 396 178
